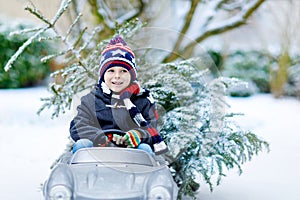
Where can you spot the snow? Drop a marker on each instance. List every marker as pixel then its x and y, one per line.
pixel 30 143
pixel 272 175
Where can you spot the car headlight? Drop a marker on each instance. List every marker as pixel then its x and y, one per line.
pixel 60 192
pixel 159 193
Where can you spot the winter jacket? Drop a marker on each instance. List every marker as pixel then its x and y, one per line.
pixel 101 111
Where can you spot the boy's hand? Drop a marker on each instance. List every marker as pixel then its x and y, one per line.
pixel 131 138
pixel 117 139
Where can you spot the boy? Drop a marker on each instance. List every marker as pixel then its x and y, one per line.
pixel 117 102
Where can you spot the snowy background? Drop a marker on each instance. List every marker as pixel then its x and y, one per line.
pixel 30 143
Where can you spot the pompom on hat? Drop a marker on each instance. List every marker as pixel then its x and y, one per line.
pixel 117 53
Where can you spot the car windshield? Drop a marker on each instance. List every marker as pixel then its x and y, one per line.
pixel 112 155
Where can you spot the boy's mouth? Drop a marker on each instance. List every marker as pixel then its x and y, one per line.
pixel 117 82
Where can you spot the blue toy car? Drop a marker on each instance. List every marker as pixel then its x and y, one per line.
pixel 98 173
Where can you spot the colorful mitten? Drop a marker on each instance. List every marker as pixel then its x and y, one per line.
pixel 132 138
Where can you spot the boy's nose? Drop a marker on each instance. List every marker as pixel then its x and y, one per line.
pixel 117 74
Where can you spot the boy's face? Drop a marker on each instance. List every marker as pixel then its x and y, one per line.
pixel 117 78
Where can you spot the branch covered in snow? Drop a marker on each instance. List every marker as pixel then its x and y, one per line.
pixel 238 15
pixel 202 136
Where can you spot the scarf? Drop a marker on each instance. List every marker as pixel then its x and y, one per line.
pixel 134 112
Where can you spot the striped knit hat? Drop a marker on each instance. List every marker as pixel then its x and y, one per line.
pixel 117 53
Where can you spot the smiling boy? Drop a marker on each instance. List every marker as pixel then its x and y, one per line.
pixel 118 102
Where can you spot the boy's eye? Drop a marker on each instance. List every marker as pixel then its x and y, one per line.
pixel 119 70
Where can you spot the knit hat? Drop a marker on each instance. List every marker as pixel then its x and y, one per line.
pixel 117 53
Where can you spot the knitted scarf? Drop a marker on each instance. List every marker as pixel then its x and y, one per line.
pixel 133 89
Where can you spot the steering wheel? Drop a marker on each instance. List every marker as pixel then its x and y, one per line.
pixel 98 141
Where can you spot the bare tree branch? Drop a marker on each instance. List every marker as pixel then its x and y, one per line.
pixel 186 25
pixel 217 28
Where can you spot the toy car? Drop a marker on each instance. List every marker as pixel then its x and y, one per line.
pixel 110 173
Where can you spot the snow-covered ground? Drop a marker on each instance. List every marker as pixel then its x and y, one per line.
pixel 30 143
pixel 269 176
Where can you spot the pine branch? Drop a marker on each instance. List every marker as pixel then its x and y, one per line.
pixel 38 14
pixel 62 9
pixel 39 31
pixel 13 58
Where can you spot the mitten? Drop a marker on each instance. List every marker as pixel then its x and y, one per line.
pixel 131 138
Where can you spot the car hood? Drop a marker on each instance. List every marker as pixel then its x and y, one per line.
pixel 111 180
